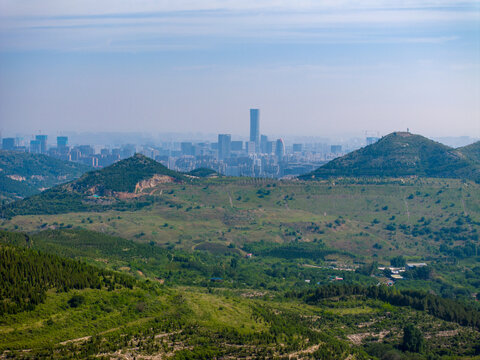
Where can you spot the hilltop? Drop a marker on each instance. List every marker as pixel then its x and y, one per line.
pixel 26 174
pixel 401 154
pixel 125 176
pixel 203 173
pixel 472 151
pixel 100 189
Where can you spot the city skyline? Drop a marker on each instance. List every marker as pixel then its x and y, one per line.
pixel 318 68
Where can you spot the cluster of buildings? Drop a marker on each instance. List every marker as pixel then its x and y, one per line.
pixel 85 154
pixel 259 156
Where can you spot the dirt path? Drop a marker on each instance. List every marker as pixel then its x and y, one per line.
pixel 406 208
pixel 230 198
pixel 465 213
pixel 307 351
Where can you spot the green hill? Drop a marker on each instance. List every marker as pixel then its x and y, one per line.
pixel 401 154
pixel 25 174
pixel 203 173
pixel 56 307
pixel 123 176
pixel 472 151
pixel 107 188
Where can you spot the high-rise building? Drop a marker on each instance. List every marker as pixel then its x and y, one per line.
pixel 8 143
pixel 263 144
pixel 187 148
pixel 62 144
pixel 280 149
pixel 224 142
pixel 255 128
pixel 297 148
pixel 35 146
pixel 250 147
pixel 43 143
pixel 62 141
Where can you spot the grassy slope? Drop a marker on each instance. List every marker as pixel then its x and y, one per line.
pixel 140 323
pixel 186 215
pixel 472 151
pixel 401 154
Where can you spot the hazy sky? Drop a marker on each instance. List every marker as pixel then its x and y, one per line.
pixel 312 67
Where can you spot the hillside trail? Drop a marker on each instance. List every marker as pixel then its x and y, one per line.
pixel 406 207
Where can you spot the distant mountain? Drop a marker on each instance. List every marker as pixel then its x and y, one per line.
pixel 24 174
pixel 107 188
pixel 203 173
pixel 401 154
pixel 471 151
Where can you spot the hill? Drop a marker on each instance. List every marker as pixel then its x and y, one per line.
pixel 401 154
pixel 472 151
pixel 203 173
pixel 100 189
pixel 64 308
pixel 25 174
pixel 126 176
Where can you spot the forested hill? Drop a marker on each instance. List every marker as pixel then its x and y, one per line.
pixel 100 189
pixel 472 151
pixel 123 176
pixel 26 275
pixel 25 174
pixel 401 154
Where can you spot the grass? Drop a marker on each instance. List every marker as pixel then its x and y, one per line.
pixel 206 214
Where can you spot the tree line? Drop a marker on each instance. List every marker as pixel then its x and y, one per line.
pixel 445 309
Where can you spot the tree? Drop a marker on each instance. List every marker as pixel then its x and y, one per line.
pixel 412 339
pixel 398 261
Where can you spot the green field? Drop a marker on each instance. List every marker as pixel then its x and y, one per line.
pixel 301 234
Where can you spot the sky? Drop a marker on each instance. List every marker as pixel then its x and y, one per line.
pixel 313 68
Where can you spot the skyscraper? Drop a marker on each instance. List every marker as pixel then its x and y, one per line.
pixel 255 128
pixel 43 143
pixel 280 149
pixel 35 146
pixel 8 143
pixel 224 142
pixel 62 141
pixel 263 143
pixel 62 144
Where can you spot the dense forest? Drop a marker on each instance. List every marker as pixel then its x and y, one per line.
pixel 26 275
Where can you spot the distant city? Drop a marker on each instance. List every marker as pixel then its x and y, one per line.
pixel 259 156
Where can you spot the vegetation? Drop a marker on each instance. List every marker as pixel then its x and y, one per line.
pixel 122 176
pixel 402 154
pixel 472 151
pixel 25 174
pixel 203 173
pixel 106 312
pixel 222 267
pixel 26 276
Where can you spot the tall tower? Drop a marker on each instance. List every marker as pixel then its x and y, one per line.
pixel 280 149
pixel 255 128
pixel 224 146
pixel 43 143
